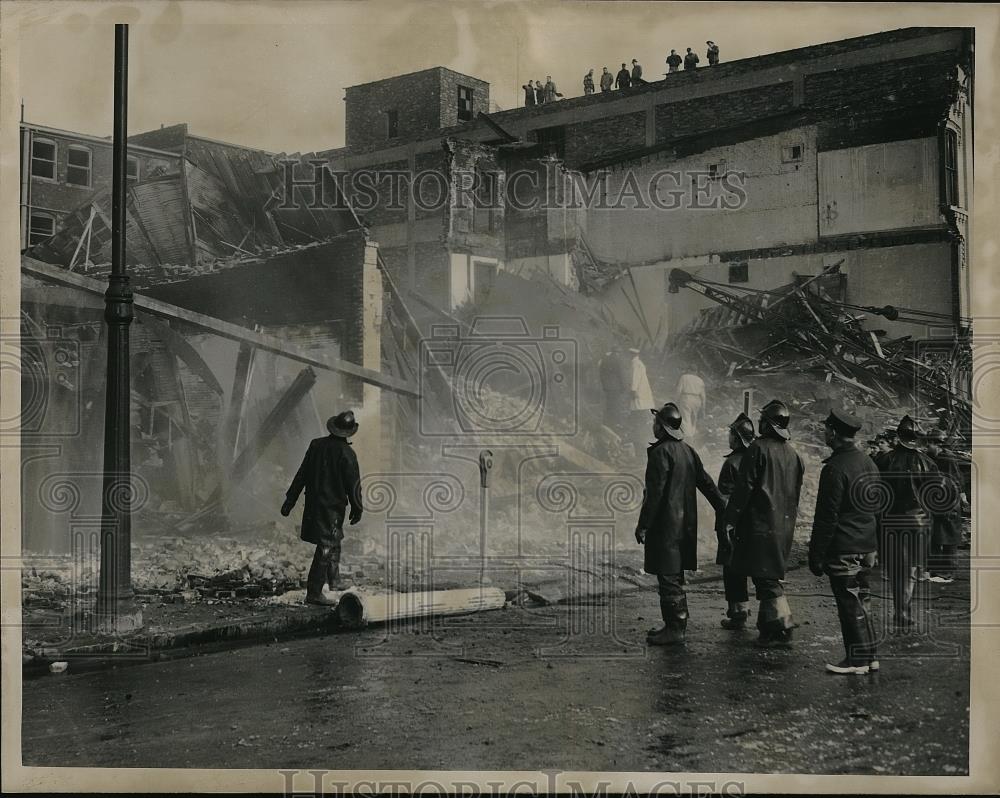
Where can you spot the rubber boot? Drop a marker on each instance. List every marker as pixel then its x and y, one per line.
pixel 675 615
pixel 736 616
pixel 318 573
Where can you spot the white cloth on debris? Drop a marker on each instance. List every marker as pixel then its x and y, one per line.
pixel 642 394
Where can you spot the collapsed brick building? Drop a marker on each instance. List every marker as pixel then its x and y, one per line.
pixel 856 151
pixel 254 324
pixel 854 154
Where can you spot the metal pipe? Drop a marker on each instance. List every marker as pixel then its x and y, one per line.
pixel 117 611
pixel 357 609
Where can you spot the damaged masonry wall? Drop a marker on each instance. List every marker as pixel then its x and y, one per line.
pixel 210 243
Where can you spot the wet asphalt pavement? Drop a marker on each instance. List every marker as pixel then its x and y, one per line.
pixel 572 688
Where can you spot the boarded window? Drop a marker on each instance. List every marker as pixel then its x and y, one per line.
pixel 465 104
pixel 392 123
pixel 43 159
pixel 42 226
pixel 739 272
pixel 78 166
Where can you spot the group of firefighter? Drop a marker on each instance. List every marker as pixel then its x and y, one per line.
pixel 886 508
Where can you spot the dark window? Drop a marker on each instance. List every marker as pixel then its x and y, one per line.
pixel 485 203
pixel 78 166
pixel 392 123
pixel 43 159
pixel 131 170
pixel 951 167
pixel 716 170
pixel 464 104
pixel 43 225
pixel 791 154
pixel 739 272
pixel 483 277
pixel 552 140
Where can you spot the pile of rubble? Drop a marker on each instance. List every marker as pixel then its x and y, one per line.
pixel 808 327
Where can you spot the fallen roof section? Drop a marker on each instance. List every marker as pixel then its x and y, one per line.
pixel 90 285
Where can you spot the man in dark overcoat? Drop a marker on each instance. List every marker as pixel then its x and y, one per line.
pixel 843 539
pixel 760 520
pixel 911 478
pixel 668 520
pixel 946 526
pixel 741 435
pixel 332 481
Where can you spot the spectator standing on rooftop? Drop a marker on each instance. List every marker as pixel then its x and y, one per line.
pixel 539 92
pixel 588 82
pixel 637 73
pixel 550 90
pixel 624 79
pixel 674 61
pixel 607 80
pixel 691 60
pixel 529 94
pixel 713 53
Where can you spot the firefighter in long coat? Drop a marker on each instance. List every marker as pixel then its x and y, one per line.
pixel 760 520
pixel 911 479
pixel 668 520
pixel 741 435
pixel 843 540
pixel 332 481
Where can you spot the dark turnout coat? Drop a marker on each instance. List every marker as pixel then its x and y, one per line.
pixel 844 522
pixel 947 523
pixel 764 506
pixel 727 484
pixel 332 480
pixel 670 508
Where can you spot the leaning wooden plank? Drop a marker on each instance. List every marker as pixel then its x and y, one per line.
pixel 224 329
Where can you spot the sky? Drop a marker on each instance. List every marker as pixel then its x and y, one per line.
pixel 272 75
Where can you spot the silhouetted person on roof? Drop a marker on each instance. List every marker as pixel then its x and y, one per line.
pixel 713 53
pixel 691 60
pixel 624 79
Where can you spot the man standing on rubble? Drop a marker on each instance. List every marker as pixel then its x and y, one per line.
pixel 908 474
pixel 332 480
pixel 760 520
pixel 640 399
pixel 843 542
pixel 735 584
pixel 614 387
pixel 691 400
pixel 668 520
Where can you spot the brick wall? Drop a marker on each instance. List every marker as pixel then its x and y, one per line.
pixel 415 97
pixel 722 110
pixel 601 138
pixel 60 198
pixel 450 81
pixel 901 83
pixel 425 101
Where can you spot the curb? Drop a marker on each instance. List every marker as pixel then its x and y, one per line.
pixel 184 642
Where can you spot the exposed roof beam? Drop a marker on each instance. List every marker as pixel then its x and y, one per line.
pixel 224 329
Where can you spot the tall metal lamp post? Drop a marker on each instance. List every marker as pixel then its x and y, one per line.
pixel 117 611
